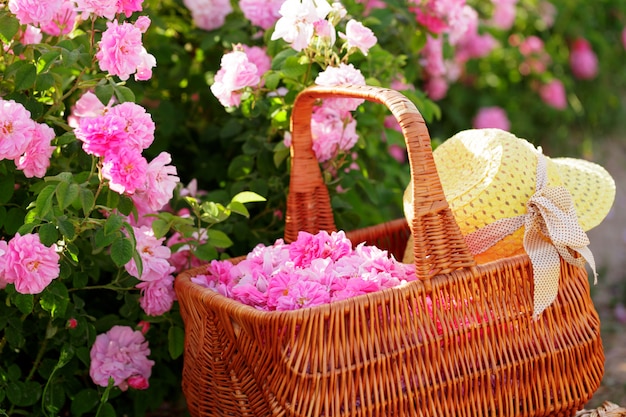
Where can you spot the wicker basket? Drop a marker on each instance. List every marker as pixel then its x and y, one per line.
pixel 459 341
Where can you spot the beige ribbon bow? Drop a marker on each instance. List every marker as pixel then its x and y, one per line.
pixel 551 231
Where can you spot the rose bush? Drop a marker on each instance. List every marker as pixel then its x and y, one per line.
pixel 108 107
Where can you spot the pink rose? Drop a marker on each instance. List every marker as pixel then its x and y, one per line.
pixel 122 354
pixel 583 60
pixel 436 88
pixel 139 125
pixel 154 256
pixel 235 74
pixel 30 264
pixel 624 37
pixel 35 12
pixel 159 185
pixel 553 94
pixel 344 74
pixel 63 20
pixel 157 297
pixel 36 158
pixel 4 248
pixel 258 56
pixel 129 6
pixel 16 129
pixel 102 8
pixel 120 49
pixel 209 14
pixel 491 117
pixel 262 13
pixel 359 36
pixel 101 135
pixel 125 170
pixel 31 35
pixel 504 13
pixel 333 131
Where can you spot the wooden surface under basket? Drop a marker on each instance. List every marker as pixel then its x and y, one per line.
pixel 459 341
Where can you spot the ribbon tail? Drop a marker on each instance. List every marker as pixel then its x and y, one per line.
pixel 546 265
pixel 585 252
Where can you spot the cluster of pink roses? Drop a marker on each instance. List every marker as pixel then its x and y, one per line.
pixel 120 52
pixel 306 26
pixel 28 264
pixel 313 270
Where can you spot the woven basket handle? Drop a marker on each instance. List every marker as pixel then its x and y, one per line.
pixel 439 246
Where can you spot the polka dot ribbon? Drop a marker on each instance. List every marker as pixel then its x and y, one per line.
pixel 551 231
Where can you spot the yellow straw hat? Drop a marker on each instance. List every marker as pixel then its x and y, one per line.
pixel 490 174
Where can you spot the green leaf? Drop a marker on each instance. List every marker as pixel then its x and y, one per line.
pixel 9 26
pixel 176 341
pixel 44 200
pixel 3 215
pixel 24 302
pixel 122 251
pixel 15 217
pixel 247 197
pixel 293 68
pixel 25 77
pixel 48 234
pixel 124 94
pixel 219 239
pixel 23 394
pixel 85 401
pixel 104 93
pixel 45 60
pixel 66 194
pixel 103 240
pixel 206 252
pixel 160 228
pixel 125 205
pixel 7 187
pixel 239 208
pixel 113 224
pixel 55 298
pixel 106 410
pixel 87 200
pixel 272 79
pixel 66 227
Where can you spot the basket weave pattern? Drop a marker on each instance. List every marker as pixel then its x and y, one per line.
pixel 459 341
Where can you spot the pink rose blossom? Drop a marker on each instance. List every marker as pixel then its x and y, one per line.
pixel 122 354
pixel 303 294
pixel 553 94
pixel 88 105
pixel 102 8
pixel 4 248
pixel 35 12
pixel 432 57
pixel 144 68
pixel 125 170
pixel 36 158
pixel 129 6
pixel 157 297
pixel 16 128
pixel 31 35
pixel 491 117
pixel 63 21
pixel 209 14
pixel 120 49
pixel 296 24
pixel 624 38
pixel 101 135
pixel 262 13
pixel 333 131
pixel 344 74
pixel 258 56
pixel 159 185
pixel 72 323
pixel 583 60
pixel 154 256
pixel 139 125
pixel 372 4
pixel 235 74
pixel 321 245
pixel 436 88
pixel 359 36
pixel 398 153
pixel 138 382
pixel 503 14
pixel 29 264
